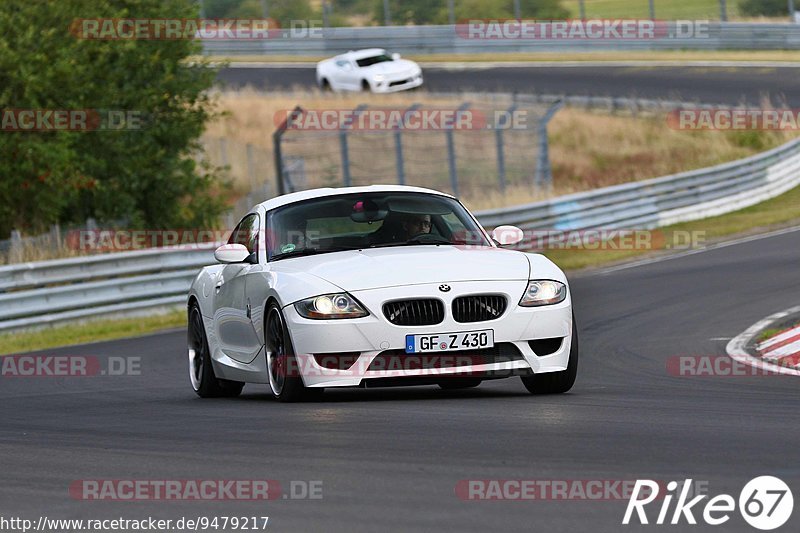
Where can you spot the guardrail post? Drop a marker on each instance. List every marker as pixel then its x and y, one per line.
pixel 398 146
pixel 544 174
pixel 344 148
pixel 652 9
pixel 501 159
pixel 451 148
pixel 723 11
pixel 582 9
pixel 791 10
pixel 276 145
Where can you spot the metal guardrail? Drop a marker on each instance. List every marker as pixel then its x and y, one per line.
pixel 48 292
pixel 57 291
pixel 422 40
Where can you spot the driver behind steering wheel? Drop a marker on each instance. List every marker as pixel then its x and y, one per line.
pixel 414 225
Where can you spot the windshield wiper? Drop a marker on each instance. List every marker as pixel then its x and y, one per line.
pixel 310 251
pixel 412 242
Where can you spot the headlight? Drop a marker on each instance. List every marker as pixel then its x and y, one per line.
pixel 379 77
pixel 330 306
pixel 543 292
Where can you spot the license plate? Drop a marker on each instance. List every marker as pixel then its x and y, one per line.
pixel 448 342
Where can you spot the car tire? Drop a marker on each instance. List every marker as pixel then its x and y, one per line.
pixel 201 372
pixel 365 86
pixel 459 383
pixel 556 382
pixel 285 386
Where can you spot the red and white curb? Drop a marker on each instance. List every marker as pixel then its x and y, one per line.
pixel 782 349
pixel 772 351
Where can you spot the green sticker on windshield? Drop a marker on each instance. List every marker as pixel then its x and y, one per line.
pixel 286 248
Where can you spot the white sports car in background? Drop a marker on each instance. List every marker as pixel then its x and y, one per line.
pixel 376 286
pixel 368 70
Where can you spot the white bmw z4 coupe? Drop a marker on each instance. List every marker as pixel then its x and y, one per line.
pixel 376 286
pixel 372 70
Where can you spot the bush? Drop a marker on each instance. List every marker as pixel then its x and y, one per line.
pixel 146 177
pixel 769 8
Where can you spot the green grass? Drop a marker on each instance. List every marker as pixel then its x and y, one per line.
pixel 665 9
pixel 780 211
pixel 93 331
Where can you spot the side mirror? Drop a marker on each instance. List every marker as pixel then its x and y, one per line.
pixel 231 253
pixel 507 235
pixel 395 56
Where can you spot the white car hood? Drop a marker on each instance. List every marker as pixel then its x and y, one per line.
pixel 410 265
pixel 401 66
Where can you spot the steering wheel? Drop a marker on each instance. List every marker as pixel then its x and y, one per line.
pixel 425 238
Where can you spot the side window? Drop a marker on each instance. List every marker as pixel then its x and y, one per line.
pixel 246 233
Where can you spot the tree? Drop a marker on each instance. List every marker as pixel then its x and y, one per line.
pixel 145 177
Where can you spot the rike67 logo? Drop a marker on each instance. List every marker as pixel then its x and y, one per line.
pixel 765 503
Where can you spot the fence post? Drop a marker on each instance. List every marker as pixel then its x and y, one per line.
pixel 501 159
pixel 398 146
pixel 387 14
pixel 791 10
pixel 544 174
pixel 15 248
pixel 582 9
pixel 223 151
pixel 276 145
pixel 251 167
pixel 343 147
pixel 451 148
pixel 652 9
pixel 723 10
pixel 55 237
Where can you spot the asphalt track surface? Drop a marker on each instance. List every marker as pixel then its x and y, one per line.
pixel 723 85
pixel 389 459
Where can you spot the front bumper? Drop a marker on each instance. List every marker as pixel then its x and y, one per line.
pixel 394 85
pixel 370 336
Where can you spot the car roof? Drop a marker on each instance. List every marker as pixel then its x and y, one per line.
pixel 299 196
pixel 366 52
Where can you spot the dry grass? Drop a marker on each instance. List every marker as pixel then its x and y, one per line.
pixel 588 149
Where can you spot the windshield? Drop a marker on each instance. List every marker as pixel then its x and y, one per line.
pixel 369 220
pixel 372 60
